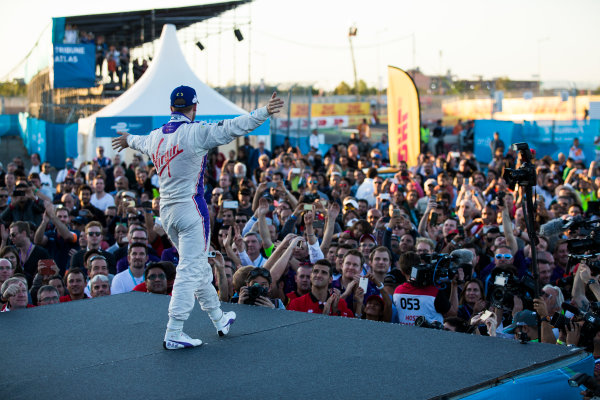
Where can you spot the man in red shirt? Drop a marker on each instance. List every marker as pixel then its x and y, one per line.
pixel 75 281
pixel 302 279
pixel 319 300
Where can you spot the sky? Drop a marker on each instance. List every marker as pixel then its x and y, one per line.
pixel 306 41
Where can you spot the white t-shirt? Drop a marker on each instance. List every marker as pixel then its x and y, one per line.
pixel 124 282
pixel 106 201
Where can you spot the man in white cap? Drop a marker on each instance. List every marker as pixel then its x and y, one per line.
pixel 179 152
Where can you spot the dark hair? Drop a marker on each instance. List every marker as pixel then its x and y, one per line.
pixel 83 187
pixel 325 263
pixel 137 244
pixel 464 292
pixel 259 271
pixel 407 261
pixel 167 267
pixel 74 270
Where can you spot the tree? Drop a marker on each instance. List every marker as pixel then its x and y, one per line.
pixel 342 89
pixel 12 89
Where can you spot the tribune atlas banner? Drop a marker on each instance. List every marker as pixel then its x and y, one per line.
pixel 404 117
pixel 74 65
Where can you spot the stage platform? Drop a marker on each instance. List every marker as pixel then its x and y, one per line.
pixel 111 348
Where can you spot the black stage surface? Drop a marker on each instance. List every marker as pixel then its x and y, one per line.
pixel 111 347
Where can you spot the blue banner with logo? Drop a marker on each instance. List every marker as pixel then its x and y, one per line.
pixel 74 65
pixel 546 137
pixel 109 126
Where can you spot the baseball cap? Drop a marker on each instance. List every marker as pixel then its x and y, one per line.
pixel 366 236
pixel 522 318
pixel 351 202
pixel 183 96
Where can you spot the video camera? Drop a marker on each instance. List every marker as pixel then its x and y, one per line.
pixel 525 175
pixel 438 269
pixel 586 227
pixel 506 285
pixel 590 327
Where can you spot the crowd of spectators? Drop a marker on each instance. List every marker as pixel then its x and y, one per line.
pixel 336 233
pixel 118 60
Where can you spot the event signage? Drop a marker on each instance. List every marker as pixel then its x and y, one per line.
pixel 142 125
pixel 330 110
pixel 404 117
pixel 74 65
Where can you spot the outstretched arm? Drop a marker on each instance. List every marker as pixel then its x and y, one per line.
pixel 214 135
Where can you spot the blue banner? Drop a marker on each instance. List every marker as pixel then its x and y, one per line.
pixel 74 65
pixel 109 126
pixel 545 137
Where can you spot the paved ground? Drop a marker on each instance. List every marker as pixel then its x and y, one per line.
pixel 111 348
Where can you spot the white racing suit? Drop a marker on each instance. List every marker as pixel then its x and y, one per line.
pixel 179 153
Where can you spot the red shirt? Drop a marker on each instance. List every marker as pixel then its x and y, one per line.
pixel 310 304
pixel 66 298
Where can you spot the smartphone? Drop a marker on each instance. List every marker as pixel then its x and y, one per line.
pixel 230 204
pixel 271 185
pixel 17 193
pixel 296 171
pixel 454 154
pixel 433 219
pixel 396 213
pixel 318 224
pixel 384 196
pixel 308 207
pixel 131 204
pixel 157 221
pixel 47 266
pixel 363 283
pixel 211 254
pixel 461 230
pixel 147 204
pixel 486 315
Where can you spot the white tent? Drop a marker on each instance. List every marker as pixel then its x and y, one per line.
pixel 148 100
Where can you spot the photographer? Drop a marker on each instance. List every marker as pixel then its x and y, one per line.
pixel 412 301
pixel 256 291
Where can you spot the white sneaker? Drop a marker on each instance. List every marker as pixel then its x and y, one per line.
pixel 225 323
pixel 179 340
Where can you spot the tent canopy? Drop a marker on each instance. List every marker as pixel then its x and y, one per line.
pixel 145 106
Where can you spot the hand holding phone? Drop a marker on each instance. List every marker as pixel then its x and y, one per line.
pixel 47 265
pixel 363 283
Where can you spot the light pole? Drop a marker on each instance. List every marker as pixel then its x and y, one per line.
pixel 539 42
pixel 351 33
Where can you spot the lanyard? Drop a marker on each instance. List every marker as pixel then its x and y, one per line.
pixel 24 260
pixel 133 278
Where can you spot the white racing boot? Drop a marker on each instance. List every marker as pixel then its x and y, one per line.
pixel 224 323
pixel 178 340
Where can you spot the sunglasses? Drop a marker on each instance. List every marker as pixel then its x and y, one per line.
pixel 97 257
pixel 240 221
pixel 156 276
pixel 501 256
pixel 94 233
pixel 256 272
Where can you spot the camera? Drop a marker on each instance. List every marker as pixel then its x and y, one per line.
pixel 437 269
pixel 422 322
pixel 506 285
pixel 590 327
pixel 585 227
pixel 525 175
pixel 254 292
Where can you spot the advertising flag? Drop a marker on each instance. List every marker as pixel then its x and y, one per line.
pixel 404 117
